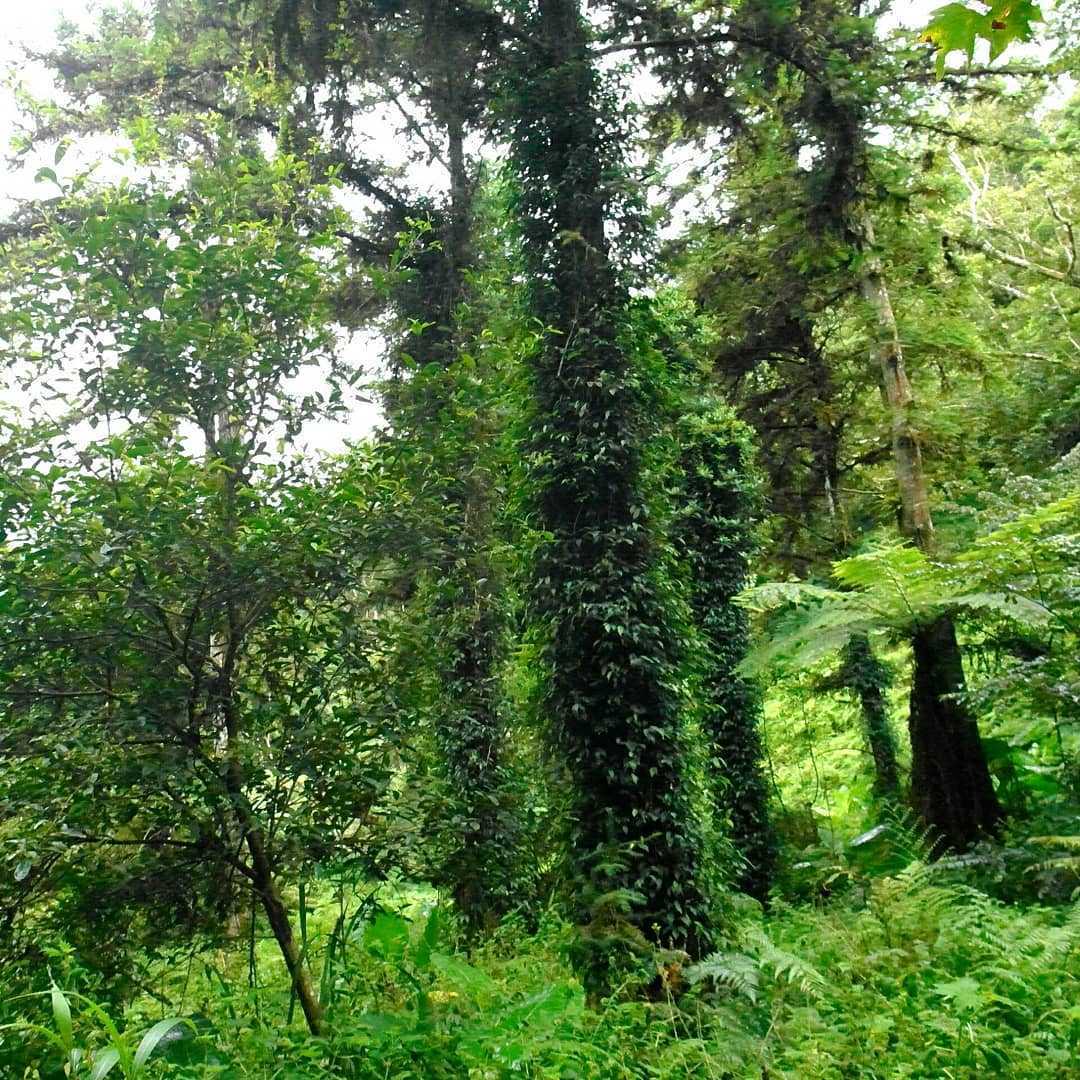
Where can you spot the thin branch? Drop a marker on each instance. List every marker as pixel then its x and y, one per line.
pixel 987 248
pixel 1070 251
pixel 699 41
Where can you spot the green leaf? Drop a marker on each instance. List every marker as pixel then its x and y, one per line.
pixel 62 1016
pixel 963 992
pixel 953 28
pixel 103 1063
pixel 149 1042
pixel 957 28
pixel 470 980
pixel 387 936
pixel 1010 20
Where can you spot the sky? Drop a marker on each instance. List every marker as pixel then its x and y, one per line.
pixel 33 23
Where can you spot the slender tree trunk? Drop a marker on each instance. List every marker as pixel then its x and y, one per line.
pixel 861 670
pixel 225 645
pixel 477 841
pixel 714 533
pixel 262 874
pixel 867 676
pixel 278 917
pixel 915 520
pixel 950 778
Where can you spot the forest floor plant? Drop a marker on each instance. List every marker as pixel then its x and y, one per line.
pixel 908 974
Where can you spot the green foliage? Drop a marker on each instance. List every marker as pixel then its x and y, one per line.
pixel 120 1050
pixel 716 500
pixel 448 406
pixel 890 589
pixel 411 699
pixel 181 610
pixel 612 648
pixel 935 975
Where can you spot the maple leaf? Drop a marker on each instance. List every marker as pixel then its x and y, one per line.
pixel 957 28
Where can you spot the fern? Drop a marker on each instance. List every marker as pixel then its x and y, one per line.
pixel 1060 862
pixel 887 590
pixel 735 971
pixel 791 968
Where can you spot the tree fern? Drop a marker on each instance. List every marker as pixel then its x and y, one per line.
pixel 888 590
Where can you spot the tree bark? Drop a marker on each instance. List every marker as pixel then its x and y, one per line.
pixel 866 675
pixel 950 782
pixel 613 654
pixel 262 881
pixel 915 520
pixel 278 918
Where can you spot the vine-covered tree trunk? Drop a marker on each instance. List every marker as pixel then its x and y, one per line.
pixel 714 535
pixel 612 650
pixel 950 781
pixel 461 602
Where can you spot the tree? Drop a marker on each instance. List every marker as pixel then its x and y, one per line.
pixel 611 649
pixel 423 63
pixel 830 74
pixel 185 641
pixel 714 518
pixel 899 592
pixel 431 56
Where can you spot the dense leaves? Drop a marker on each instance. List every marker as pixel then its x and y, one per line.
pixel 483 485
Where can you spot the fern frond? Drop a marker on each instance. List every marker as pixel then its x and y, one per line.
pixel 1012 605
pixel 773 595
pixel 1059 862
pixel 791 968
pixel 805 636
pixel 735 971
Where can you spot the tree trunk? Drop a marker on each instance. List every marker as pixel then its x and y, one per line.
pixel 278 918
pixel 915 520
pixel 262 881
pixel 613 654
pixel 864 673
pixel 950 781
pixel 714 534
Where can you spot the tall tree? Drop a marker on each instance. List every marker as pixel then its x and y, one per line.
pixel 829 53
pixel 715 514
pixel 612 650
pixel 305 74
pixel 187 615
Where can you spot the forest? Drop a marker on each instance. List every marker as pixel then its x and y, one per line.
pixel 542 538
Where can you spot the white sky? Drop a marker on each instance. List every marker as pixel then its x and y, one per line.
pixel 33 23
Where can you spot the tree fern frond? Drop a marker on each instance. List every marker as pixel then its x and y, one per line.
pixel 774 595
pixel 804 637
pixel 1012 605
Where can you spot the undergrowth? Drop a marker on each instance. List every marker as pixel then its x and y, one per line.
pixel 908 974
